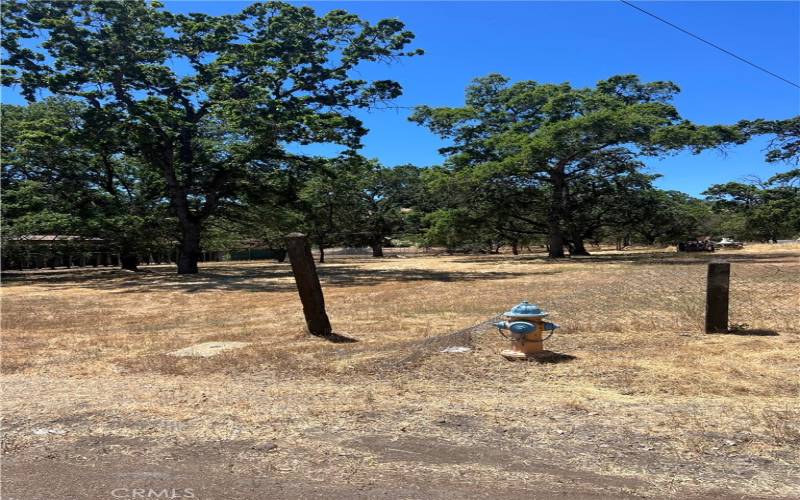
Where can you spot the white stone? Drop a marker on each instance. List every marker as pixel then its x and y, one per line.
pixel 45 432
pixel 207 349
pixel 456 349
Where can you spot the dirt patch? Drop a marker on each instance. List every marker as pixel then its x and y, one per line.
pixel 509 458
pixel 127 467
pixel 124 468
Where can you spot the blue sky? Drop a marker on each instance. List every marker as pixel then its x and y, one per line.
pixel 582 42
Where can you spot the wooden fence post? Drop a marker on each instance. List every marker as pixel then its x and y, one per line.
pixel 305 275
pixel 717 296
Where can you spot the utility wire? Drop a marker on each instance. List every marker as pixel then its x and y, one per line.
pixel 629 4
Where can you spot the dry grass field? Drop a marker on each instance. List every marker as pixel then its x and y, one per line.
pixel 642 404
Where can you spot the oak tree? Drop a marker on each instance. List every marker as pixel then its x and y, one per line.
pixel 555 135
pixel 209 101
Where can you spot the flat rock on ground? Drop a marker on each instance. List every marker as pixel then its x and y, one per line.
pixel 207 349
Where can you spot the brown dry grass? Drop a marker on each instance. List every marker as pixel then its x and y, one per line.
pixel 648 397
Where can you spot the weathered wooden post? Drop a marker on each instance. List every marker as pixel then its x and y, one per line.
pixel 305 275
pixel 717 296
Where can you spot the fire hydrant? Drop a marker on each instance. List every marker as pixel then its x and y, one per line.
pixel 526 326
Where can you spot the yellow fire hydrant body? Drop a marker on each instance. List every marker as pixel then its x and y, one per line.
pixel 526 326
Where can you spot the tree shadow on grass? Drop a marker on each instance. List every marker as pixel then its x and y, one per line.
pixel 544 357
pixel 552 357
pixel 754 332
pixel 705 258
pixel 637 258
pixel 337 338
pixel 267 277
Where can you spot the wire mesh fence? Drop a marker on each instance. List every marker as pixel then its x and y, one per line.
pixel 642 298
pixel 387 251
pixel 664 297
pixel 670 295
pixel 764 298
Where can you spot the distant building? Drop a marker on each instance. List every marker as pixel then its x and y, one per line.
pixel 36 251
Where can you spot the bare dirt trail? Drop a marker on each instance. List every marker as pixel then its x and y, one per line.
pixel 205 474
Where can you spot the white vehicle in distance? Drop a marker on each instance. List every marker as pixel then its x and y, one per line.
pixel 728 243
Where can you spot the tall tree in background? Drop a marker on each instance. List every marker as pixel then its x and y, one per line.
pixel 667 217
pixel 66 172
pixel 556 135
pixel 603 198
pixel 482 209
pixel 43 173
pixel 251 83
pixel 384 197
pixel 764 210
pixel 757 211
pixel 329 200
pixel 355 202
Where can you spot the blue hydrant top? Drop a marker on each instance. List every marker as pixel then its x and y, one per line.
pixel 525 310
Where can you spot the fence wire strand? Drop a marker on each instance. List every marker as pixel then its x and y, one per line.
pixel 762 297
pixel 649 298
pixel 765 297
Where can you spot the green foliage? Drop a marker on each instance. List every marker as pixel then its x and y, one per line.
pixel 330 200
pixel 141 154
pixel 574 149
pixel 490 209
pixel 386 203
pixel 269 76
pixel 451 228
pixel 354 201
pixel 765 212
pixel 785 143
pixel 667 217
pixel 63 175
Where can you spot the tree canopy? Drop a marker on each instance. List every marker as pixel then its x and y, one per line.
pixel 215 125
pixel 162 131
pixel 64 175
pixel 554 137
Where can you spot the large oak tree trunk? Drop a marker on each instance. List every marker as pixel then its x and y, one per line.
pixel 377 249
pixel 578 247
pixel 189 252
pixel 556 214
pixel 128 258
pixel 189 249
pixel 556 243
pixel 129 261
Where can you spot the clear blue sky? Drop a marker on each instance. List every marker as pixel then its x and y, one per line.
pixel 582 42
